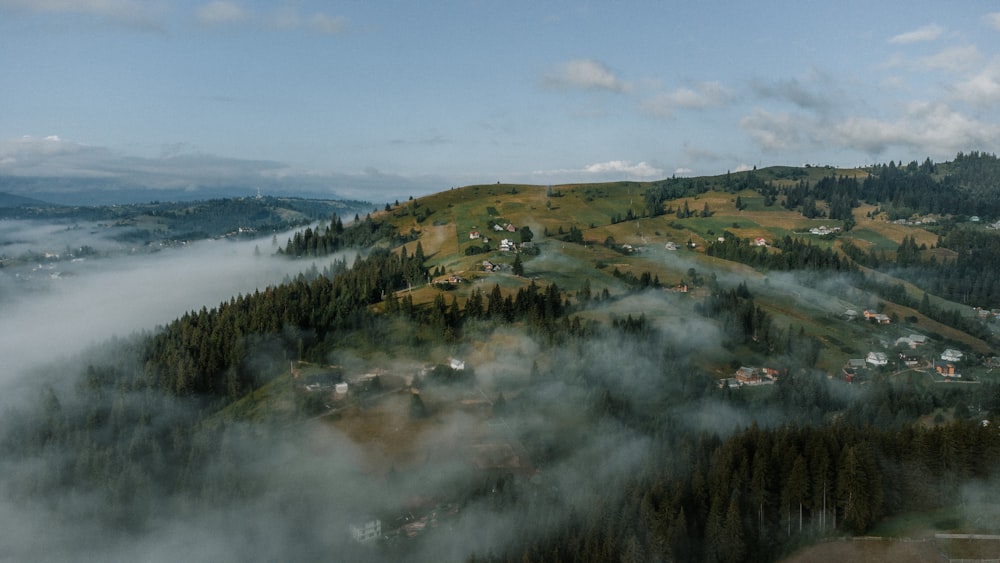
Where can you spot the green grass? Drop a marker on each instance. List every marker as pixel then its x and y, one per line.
pixel 877 241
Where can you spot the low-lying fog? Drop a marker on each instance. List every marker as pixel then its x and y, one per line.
pixel 61 311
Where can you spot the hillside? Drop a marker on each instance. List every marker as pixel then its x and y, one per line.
pixel 724 368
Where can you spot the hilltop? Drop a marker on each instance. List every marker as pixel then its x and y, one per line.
pixel 717 368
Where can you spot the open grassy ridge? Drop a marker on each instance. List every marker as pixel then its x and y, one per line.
pixel 445 220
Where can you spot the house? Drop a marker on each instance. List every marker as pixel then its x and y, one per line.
pixel 366 532
pixel 856 363
pixel 507 245
pixel 952 355
pixel 671 246
pixel 340 388
pixel 879 318
pixel 747 375
pixel 947 369
pixel 850 314
pixel 497 228
pixel 877 359
pixel 917 339
pixel 511 228
pixel 908 360
pixel 759 241
pixel 474 234
pixel 457 365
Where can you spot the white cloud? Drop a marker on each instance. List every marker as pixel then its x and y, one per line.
pixel 324 23
pixel 933 129
pixel 926 33
pixel 608 170
pixel 993 20
pixel 778 131
pixel 923 128
pixel 129 13
pixel 222 12
pixel 586 74
pixel 983 88
pixel 228 12
pixel 641 169
pixel 683 171
pixel 953 59
pixel 700 96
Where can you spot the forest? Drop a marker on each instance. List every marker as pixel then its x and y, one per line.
pixel 630 444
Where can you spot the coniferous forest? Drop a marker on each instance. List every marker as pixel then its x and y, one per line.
pixel 594 424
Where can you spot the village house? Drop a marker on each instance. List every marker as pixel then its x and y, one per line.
pixel 474 234
pixel 952 355
pixel 507 245
pixel 366 532
pixel 823 230
pixel 947 369
pixel 759 241
pixel 877 359
pixel 756 376
pixel 879 318
pixel 911 341
pixel 511 228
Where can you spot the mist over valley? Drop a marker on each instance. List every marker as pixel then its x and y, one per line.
pixel 501 371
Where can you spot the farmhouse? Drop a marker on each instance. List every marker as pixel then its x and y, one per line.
pixel 877 359
pixel 755 376
pixel 760 241
pixel 879 318
pixel 474 234
pixel 366 532
pixel 952 355
pixel 947 369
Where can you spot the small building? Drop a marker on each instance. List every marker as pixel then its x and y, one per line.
pixel 952 355
pixel 877 359
pixel 456 364
pixel 947 369
pixel 474 234
pixel 879 318
pixel 366 532
pixel 340 388
pixel 747 375
pixel 671 246
pixel 760 241
pixel 511 228
pixel 856 363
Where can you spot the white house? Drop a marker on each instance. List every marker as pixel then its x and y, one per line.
pixel 457 365
pixel 952 355
pixel 366 532
pixel 877 359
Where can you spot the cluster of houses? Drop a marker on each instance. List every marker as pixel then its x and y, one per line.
pixel 946 365
pixel 824 230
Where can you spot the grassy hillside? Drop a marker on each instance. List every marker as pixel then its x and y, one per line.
pixel 445 220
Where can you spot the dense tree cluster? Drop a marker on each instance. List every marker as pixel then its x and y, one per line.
pixel 795 254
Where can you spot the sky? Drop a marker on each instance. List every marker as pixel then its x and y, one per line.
pixel 376 100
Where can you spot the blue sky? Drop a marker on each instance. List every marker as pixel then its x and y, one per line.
pixel 382 99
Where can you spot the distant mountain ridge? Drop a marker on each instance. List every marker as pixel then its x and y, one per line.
pixel 12 200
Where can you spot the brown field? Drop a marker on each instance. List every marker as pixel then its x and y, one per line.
pixel 876 550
